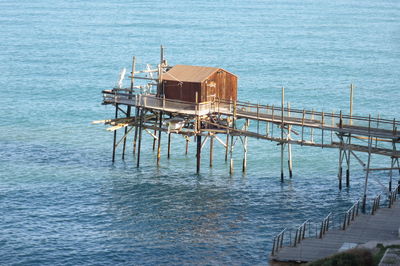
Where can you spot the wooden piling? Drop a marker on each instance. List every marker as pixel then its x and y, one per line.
pixel 312 129
pixel 198 154
pixel 348 162
pixel 128 108
pixel 231 157
pixel 136 130
pixel 115 135
pixel 169 146
pixel 244 166
pixel 187 146
pixel 368 164
pixel 140 138
pixel 289 146
pixel 322 129
pixel 155 133
pixel 227 144
pixel 211 150
pixel 159 139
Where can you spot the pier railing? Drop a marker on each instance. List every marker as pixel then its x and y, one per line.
pixel 376 204
pixel 325 225
pixel 393 196
pixel 278 242
pixel 322 120
pixel 351 214
pixel 308 229
pixel 341 221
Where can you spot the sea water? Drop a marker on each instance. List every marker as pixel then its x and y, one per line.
pixel 62 201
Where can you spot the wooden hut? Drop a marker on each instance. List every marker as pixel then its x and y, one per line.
pixel 183 82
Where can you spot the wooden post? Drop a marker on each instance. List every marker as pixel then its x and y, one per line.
pixel 211 149
pixel 348 161
pixel 169 146
pixel 155 133
pixel 232 143
pixel 340 165
pixel 198 154
pixel 377 126
pixel 340 152
pixel 227 144
pixel 159 139
pixel 187 146
pixel 351 103
pixel 258 118
pixel 140 138
pixel 231 157
pixel 245 148
pixel 282 124
pixel 368 164
pixel 136 130
pixel 272 124
pixel 322 126
pixel 391 174
pixel 289 146
pixel 128 109
pixel 312 129
pixel 115 134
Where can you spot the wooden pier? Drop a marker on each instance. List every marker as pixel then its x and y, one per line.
pixel 212 114
pixel 145 108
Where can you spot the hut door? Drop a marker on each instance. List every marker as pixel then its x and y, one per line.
pixel 211 89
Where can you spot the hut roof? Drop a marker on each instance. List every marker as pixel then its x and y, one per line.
pixel 186 73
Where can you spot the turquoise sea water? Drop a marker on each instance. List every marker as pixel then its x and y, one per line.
pixel 63 202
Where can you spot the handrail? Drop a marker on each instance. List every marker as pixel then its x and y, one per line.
pixel 316 113
pixel 292 111
pixel 376 204
pixel 350 214
pixel 278 242
pixel 393 196
pixel 325 225
pixel 300 233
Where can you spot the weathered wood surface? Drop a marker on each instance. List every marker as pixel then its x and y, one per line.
pixel 246 112
pixel 382 226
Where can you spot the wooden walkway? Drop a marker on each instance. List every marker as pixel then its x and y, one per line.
pixel 382 226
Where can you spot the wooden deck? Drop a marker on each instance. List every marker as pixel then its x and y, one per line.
pixel 382 226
